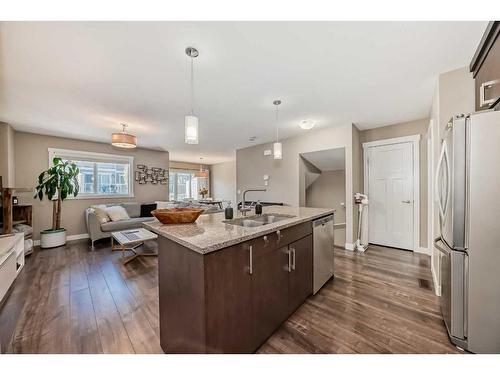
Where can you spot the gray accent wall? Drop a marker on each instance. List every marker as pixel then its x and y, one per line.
pixel 223 180
pixel 454 94
pixel 328 191
pixel 31 158
pixel 286 176
pixel 7 156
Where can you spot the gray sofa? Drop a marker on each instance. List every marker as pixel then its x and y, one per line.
pixel 96 230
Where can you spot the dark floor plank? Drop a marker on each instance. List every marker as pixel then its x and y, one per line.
pixel 84 336
pixel 140 332
pixel 73 300
pixel 112 333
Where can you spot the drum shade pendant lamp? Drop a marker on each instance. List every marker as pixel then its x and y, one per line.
pixel 191 121
pixel 202 173
pixel 277 146
pixel 124 139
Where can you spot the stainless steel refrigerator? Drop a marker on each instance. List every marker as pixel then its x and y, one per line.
pixel 468 199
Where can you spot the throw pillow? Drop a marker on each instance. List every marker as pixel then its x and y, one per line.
pixel 117 213
pixel 100 213
pixel 147 208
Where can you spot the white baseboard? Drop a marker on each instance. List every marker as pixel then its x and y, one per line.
pixel 349 246
pixel 73 237
pixel 437 287
pixel 422 250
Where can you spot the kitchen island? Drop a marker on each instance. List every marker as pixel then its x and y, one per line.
pixel 225 288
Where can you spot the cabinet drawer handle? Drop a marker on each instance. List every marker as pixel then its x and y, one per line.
pixel 482 93
pixel 279 235
pixel 293 258
pixel 289 260
pixel 250 260
pixel 266 240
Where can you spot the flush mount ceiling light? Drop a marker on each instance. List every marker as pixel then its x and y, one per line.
pixel 124 139
pixel 202 173
pixel 191 121
pixel 307 124
pixel 277 146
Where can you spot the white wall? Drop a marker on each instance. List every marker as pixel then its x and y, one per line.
pixel 223 180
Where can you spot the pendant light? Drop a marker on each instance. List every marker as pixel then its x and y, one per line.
pixel 191 121
pixel 202 173
pixel 277 146
pixel 124 139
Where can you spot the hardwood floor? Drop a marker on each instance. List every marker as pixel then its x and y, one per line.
pixel 71 300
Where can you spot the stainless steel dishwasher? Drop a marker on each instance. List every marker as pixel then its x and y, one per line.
pixel 322 251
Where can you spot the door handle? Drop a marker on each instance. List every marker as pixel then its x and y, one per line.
pixel 289 260
pixel 279 235
pixel 441 249
pixel 438 173
pixel 293 258
pixel 250 260
pixel 407 201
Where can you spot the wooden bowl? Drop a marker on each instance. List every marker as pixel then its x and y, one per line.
pixel 177 215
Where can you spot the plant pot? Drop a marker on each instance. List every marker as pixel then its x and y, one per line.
pixel 52 238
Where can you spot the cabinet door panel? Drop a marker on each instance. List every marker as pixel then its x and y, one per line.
pixel 228 301
pixel 269 293
pixel 301 277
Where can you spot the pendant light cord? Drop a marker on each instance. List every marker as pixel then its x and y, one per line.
pixel 192 86
pixel 277 138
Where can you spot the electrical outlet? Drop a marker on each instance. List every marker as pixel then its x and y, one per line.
pixel 265 177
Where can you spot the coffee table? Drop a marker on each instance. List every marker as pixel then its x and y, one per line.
pixel 129 240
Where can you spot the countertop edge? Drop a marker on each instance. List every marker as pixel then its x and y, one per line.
pixel 231 242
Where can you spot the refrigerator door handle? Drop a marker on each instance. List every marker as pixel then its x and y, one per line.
pixel 441 249
pixel 438 172
pixel 466 294
pixel 448 180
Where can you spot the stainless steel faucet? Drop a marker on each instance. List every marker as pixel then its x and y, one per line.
pixel 244 209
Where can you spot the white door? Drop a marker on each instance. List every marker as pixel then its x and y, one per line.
pixel 391 195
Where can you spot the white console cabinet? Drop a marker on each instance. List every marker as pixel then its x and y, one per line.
pixel 11 261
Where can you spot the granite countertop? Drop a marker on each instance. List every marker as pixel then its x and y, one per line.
pixel 209 233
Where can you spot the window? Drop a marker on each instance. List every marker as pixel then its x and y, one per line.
pixel 101 175
pixel 184 185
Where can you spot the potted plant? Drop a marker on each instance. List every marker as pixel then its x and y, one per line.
pixel 57 183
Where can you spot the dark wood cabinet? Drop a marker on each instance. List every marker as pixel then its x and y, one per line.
pixel 269 293
pixel 300 279
pixel 485 67
pixel 233 299
pixel 229 304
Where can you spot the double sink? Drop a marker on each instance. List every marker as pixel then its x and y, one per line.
pixel 258 220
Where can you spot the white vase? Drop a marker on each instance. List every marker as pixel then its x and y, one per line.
pixel 52 238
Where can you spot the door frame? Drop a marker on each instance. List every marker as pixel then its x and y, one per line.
pixel 430 186
pixel 415 142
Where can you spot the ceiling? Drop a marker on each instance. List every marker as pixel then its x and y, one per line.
pixel 327 160
pixel 81 79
